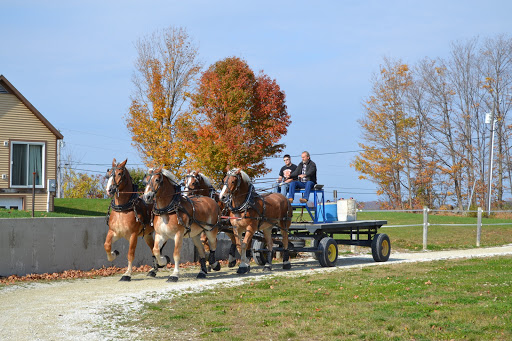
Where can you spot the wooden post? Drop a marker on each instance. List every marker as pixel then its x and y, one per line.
pixel 33 192
pixel 479 227
pixel 425 227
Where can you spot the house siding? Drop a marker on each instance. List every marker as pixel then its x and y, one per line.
pixel 18 123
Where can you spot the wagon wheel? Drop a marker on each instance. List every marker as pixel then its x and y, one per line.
pixel 259 257
pixel 329 254
pixel 381 247
pixel 296 243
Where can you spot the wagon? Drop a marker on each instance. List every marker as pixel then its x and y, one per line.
pixel 326 235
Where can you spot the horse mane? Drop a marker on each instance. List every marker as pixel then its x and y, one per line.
pixel 206 180
pixel 245 177
pixel 170 176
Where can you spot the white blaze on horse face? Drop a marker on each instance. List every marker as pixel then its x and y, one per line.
pixel 187 186
pixel 109 184
pixel 223 192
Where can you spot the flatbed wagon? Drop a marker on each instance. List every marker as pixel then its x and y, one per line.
pixel 326 236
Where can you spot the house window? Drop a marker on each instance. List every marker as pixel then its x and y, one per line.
pixel 27 158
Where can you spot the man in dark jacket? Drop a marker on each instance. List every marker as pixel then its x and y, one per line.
pixel 283 182
pixel 306 174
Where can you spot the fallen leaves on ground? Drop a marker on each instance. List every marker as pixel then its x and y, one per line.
pixel 73 274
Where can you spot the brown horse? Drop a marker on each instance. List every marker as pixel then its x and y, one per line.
pixel 197 183
pixel 256 212
pixel 129 217
pixel 178 217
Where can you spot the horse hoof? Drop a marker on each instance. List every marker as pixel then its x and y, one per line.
pixel 125 279
pixel 172 279
pixel 243 270
pixel 232 264
pixel 116 253
pixel 287 266
pixel 152 273
pixel 215 266
pixel 267 268
pixel 201 275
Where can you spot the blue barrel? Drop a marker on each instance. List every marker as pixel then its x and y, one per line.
pixel 331 212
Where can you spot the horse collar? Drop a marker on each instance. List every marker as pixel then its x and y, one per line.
pixel 173 205
pixel 245 205
pixel 129 205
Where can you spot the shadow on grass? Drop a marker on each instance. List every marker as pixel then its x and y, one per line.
pixel 79 212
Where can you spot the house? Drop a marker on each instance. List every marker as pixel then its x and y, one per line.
pixel 28 145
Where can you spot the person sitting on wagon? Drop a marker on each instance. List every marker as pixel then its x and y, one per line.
pixel 283 182
pixel 306 174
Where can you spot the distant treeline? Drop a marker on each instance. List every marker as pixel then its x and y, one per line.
pixel 427 128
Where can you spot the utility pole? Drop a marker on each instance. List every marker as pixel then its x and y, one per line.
pixel 491 154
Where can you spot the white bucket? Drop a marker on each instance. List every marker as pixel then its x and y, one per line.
pixel 347 210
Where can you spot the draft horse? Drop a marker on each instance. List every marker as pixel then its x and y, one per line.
pixel 178 217
pixel 254 212
pixel 128 216
pixel 196 183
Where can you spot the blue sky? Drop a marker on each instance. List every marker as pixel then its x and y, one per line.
pixel 74 62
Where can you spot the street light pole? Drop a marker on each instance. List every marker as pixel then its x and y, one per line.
pixel 491 156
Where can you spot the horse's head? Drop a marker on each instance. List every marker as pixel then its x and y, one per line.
pixel 159 182
pixel 118 177
pixel 192 182
pixel 236 181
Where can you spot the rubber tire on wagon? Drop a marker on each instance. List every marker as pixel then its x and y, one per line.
pixel 329 254
pixel 259 257
pixel 381 247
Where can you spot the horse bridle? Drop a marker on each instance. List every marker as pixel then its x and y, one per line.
pixel 225 183
pixel 161 176
pixel 188 176
pixel 113 174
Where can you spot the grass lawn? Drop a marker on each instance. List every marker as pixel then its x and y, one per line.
pixel 65 208
pixel 443 300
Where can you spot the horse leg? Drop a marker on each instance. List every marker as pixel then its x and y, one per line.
pixel 157 249
pixel 178 242
pixel 127 276
pixel 111 238
pixel 150 241
pixel 212 239
pixel 232 250
pixel 244 262
pixel 286 253
pixel 267 233
pixel 206 246
pixel 202 257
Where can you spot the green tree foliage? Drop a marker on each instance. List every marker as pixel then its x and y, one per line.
pixel 81 185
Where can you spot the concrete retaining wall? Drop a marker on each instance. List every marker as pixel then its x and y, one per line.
pixel 47 245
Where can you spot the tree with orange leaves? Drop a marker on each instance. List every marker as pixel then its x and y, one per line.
pixel 166 70
pixel 387 130
pixel 238 119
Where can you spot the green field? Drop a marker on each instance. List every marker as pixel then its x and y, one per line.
pixel 443 300
pixel 65 208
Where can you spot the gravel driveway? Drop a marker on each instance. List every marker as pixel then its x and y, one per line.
pixel 84 309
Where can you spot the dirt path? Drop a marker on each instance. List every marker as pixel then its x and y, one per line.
pixel 84 309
